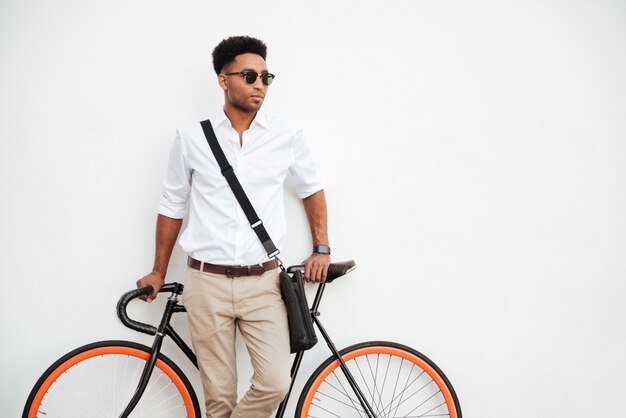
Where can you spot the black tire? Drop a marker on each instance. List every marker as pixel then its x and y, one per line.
pixel 329 394
pixel 50 397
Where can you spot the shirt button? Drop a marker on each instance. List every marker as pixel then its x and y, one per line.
pixel 241 166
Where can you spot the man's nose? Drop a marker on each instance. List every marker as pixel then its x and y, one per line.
pixel 258 83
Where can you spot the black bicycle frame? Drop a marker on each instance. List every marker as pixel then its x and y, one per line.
pixel 166 329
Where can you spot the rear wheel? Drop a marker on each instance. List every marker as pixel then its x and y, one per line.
pixel 396 380
pixel 99 379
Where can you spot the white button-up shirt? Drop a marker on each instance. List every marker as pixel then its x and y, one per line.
pixel 218 231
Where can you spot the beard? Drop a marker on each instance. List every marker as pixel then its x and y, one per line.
pixel 246 104
pixel 247 108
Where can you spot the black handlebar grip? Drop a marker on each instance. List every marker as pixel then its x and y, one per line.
pixel 123 316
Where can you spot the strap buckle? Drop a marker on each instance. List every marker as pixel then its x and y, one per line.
pixel 280 263
pixel 273 254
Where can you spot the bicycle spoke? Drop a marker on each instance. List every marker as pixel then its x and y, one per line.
pixel 338 380
pixel 330 412
pixel 375 377
pixel 405 389
pixel 84 387
pixel 364 380
pixel 393 396
pixel 426 400
pixel 426 414
pixel 156 395
pixel 124 376
pixel 114 385
pixel 343 393
pixel 341 402
pixel 158 405
pixel 164 400
pixel 130 383
pixel 100 396
pixel 415 393
pixel 369 366
pixel 66 406
pixel 385 380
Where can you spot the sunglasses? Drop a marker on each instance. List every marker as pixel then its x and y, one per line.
pixel 250 77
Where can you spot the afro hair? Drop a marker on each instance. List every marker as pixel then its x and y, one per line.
pixel 227 50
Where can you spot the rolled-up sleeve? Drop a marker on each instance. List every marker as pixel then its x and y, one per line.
pixel 303 169
pixel 177 183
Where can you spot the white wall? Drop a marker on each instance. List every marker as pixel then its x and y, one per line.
pixel 474 153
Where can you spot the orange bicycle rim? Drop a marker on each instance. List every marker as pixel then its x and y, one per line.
pixel 104 351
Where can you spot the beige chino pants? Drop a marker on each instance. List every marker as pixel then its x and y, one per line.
pixel 216 305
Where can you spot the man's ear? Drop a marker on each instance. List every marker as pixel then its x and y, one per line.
pixel 221 79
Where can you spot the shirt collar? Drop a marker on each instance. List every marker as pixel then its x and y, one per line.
pixel 261 119
pixel 220 117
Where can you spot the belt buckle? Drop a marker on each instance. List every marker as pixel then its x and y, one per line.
pixel 229 272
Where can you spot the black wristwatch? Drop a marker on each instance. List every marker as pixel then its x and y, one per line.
pixel 321 249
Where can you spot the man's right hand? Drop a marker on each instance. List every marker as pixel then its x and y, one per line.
pixel 154 279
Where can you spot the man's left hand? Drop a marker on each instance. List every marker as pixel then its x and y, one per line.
pixel 316 267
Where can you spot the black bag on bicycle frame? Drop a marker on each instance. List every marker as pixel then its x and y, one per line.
pixel 301 332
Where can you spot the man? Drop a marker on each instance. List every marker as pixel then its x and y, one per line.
pixel 219 297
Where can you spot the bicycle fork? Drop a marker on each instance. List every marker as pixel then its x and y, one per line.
pixel 154 353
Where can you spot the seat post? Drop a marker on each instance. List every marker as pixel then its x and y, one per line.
pixel 318 299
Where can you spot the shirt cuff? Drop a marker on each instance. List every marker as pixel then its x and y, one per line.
pixel 171 209
pixel 306 191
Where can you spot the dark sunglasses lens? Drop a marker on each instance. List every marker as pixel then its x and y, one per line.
pixel 250 77
pixel 268 78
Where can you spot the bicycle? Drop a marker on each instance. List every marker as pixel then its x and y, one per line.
pixel 375 379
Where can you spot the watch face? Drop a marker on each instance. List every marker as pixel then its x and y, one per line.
pixel 321 249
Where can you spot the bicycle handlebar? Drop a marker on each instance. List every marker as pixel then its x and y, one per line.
pixel 123 316
pixel 134 294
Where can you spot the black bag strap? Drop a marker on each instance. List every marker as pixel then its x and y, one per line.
pixel 240 194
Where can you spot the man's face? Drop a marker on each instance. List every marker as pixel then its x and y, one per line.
pixel 247 97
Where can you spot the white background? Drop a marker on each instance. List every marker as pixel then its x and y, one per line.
pixel 474 154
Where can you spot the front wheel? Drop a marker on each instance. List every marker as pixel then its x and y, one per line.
pixel 99 379
pixel 396 380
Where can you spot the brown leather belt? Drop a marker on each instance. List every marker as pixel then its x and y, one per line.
pixel 233 271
